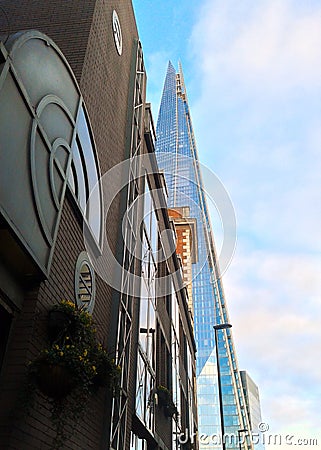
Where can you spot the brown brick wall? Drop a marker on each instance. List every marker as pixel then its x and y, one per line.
pixel 83 31
pixel 66 22
pixel 34 430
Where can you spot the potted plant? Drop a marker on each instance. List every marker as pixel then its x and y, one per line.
pixel 73 366
pixel 74 356
pixel 60 319
pixel 60 368
pixel 166 401
pixel 164 395
pixel 107 372
pixel 170 410
pixel 65 318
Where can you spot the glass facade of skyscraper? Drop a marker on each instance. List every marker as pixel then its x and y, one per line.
pixel 177 157
pixel 253 405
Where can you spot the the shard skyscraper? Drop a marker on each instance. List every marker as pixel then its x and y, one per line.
pixel 177 157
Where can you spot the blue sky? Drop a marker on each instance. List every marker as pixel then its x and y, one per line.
pixel 253 75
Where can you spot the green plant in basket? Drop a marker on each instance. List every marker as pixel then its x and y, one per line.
pixel 73 367
pixel 61 368
pixel 65 306
pixel 165 399
pixel 107 372
pixel 65 318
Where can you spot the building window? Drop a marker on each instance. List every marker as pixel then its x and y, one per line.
pixel 146 376
pixel 84 283
pixel 176 382
pixel 137 443
pixel 121 407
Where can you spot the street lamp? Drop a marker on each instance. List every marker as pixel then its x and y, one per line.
pixel 222 326
pixel 239 432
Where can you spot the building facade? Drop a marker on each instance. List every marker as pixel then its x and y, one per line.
pixel 186 246
pixel 253 405
pixel 177 157
pixel 84 220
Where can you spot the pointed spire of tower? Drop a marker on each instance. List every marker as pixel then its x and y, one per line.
pixel 170 67
pixel 182 82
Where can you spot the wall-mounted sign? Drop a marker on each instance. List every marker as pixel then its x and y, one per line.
pixel 118 38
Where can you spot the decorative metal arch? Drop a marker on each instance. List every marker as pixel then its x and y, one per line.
pixel 46 143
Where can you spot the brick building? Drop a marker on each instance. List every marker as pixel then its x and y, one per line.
pixel 186 245
pixel 77 173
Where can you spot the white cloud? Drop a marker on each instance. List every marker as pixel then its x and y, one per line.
pixel 260 84
pixel 270 43
pixel 274 303
pixel 256 92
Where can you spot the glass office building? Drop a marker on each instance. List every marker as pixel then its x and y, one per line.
pixel 253 406
pixel 177 157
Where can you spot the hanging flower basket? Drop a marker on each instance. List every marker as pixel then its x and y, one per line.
pixel 65 319
pixel 164 396
pixel 58 324
pixel 107 372
pixel 165 400
pixel 73 366
pixel 73 355
pixel 170 410
pixel 54 380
